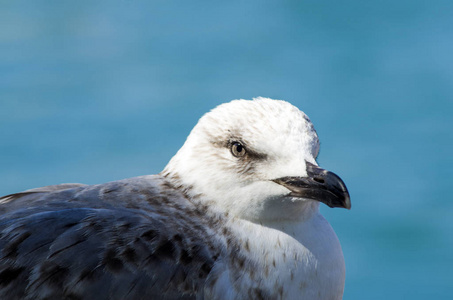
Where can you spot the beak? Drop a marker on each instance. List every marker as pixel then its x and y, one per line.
pixel 320 185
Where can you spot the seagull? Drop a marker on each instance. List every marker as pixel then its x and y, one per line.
pixel 233 215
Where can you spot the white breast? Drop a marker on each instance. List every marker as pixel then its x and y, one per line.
pixel 294 261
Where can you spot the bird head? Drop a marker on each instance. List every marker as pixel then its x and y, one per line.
pixel 256 160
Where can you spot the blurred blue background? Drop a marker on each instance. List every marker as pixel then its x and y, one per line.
pixel 94 91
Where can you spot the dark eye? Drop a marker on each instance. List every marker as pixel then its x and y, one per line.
pixel 237 149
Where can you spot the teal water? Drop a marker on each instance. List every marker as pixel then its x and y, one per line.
pixel 98 91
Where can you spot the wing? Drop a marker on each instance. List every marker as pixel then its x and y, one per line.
pixel 123 240
pixel 44 189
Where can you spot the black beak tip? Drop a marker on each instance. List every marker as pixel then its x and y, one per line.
pixel 345 198
pixel 347 202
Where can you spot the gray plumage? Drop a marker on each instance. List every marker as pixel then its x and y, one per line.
pixel 130 239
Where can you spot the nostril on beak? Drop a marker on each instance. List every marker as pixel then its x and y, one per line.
pixel 318 179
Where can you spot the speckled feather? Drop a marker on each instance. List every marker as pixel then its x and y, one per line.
pixel 136 238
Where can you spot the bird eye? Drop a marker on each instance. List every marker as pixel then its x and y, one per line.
pixel 237 149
